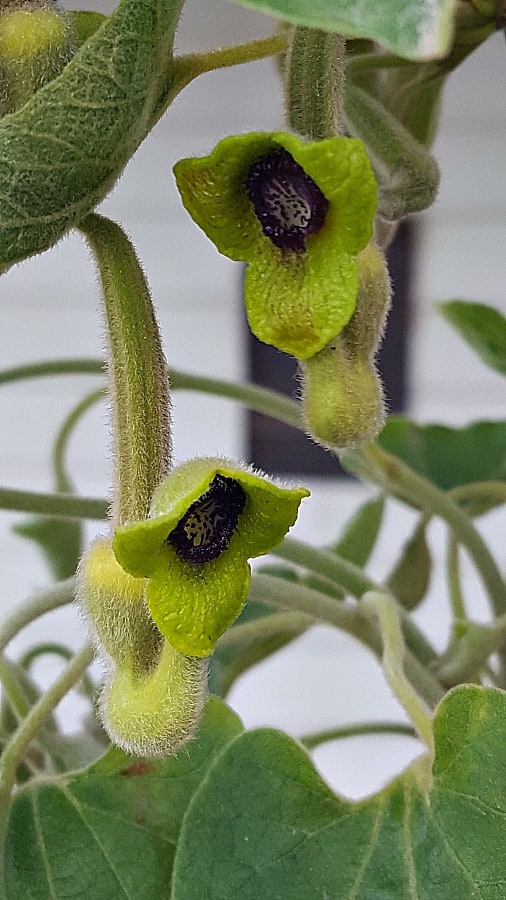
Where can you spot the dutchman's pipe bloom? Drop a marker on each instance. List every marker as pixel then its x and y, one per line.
pixel 207 518
pixel 298 213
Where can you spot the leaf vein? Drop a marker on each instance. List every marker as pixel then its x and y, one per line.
pixel 42 846
pixel 451 850
pixel 375 831
pixel 410 862
pixel 76 805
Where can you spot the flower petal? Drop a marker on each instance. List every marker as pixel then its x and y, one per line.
pixel 199 580
pixel 269 512
pixel 300 303
pixel 193 606
pixel 213 190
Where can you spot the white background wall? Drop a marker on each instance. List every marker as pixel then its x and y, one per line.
pixel 50 308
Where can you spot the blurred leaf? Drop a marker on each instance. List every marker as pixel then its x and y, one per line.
pixel 231 660
pixel 60 541
pixel 409 580
pixel 263 824
pixel 111 830
pixel 483 327
pixel 359 536
pixel 416 29
pixel 448 457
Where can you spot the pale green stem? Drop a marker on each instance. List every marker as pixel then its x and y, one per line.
pixel 67 506
pixel 394 652
pixel 489 493
pixel 289 595
pixel 88 688
pixel 453 572
pixel 188 67
pixel 60 594
pixel 270 403
pixel 264 627
pixel 61 443
pixel 395 474
pixel 18 743
pixel 12 688
pixel 138 386
pixel 408 175
pixel 52 367
pixel 354 581
pixel 363 728
pixel 263 400
pixel 326 563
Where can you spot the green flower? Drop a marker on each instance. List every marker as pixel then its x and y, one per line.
pixel 298 214
pixel 207 519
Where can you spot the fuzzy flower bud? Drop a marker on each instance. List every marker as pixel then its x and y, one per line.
pixel 342 392
pixel 36 43
pixel 153 695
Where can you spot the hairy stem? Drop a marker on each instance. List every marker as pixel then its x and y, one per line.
pixel 354 581
pixel 188 67
pixel 396 475
pixel 60 594
pixel 314 76
pixel 288 595
pixel 394 653
pixel 138 386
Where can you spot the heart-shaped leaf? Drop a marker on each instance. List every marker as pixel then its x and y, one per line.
pixel 264 824
pixel 109 831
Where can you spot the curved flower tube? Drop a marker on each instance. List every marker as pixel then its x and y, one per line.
pixel 207 518
pixel 298 214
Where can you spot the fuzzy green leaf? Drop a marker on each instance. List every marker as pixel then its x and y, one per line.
pixel 483 327
pixel 63 150
pixel 264 824
pixel 111 830
pixel 416 29
pixel 448 457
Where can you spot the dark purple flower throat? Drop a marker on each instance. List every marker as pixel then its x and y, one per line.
pixel 209 523
pixel 288 203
